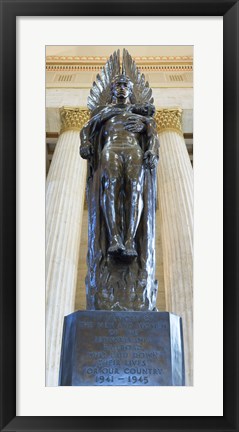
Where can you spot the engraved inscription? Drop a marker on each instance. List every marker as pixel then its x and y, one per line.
pixel 122 350
pixel 106 348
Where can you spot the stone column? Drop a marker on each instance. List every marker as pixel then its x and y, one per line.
pixel 175 180
pixel 65 192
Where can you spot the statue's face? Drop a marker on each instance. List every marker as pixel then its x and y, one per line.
pixel 122 89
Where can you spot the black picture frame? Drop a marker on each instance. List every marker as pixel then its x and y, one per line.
pixel 229 9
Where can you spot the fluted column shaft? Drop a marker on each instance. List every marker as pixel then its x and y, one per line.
pixel 175 179
pixel 65 192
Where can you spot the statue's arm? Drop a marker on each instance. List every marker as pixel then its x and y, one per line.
pixel 88 132
pixel 86 147
pixel 151 155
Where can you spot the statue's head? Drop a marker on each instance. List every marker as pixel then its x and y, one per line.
pixel 121 87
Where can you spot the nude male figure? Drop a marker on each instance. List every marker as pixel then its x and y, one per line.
pixel 123 163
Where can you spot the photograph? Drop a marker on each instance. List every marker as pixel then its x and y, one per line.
pixel 119 215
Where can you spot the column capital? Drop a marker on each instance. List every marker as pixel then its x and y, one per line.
pixel 169 119
pixel 73 118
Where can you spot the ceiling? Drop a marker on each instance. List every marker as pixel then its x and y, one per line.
pixel 106 50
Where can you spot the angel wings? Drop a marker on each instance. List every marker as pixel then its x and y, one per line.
pixel 100 94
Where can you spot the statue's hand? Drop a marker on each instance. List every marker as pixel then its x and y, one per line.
pixel 135 125
pixel 86 151
pixel 150 159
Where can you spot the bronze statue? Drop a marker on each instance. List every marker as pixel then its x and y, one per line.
pixel 121 145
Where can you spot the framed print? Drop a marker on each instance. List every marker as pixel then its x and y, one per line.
pixel 26 403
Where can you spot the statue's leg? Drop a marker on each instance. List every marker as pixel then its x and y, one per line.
pixel 134 192
pixel 111 165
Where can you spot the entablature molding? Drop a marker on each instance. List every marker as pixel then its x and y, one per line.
pixel 95 64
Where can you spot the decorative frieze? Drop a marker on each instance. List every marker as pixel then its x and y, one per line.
pixel 73 118
pixel 97 68
pixel 95 63
pixel 103 59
